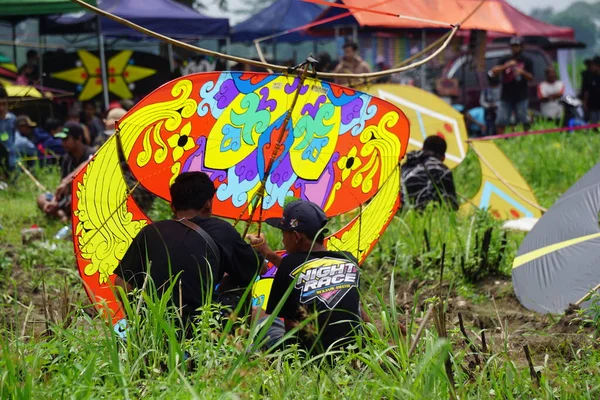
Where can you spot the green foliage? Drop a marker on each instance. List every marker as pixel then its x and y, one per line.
pixel 80 356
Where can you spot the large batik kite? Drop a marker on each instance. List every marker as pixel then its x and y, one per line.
pixel 261 138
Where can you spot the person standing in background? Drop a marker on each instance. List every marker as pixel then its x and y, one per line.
pixel 351 63
pixel 29 73
pixel 515 73
pixel 550 92
pixel 490 101
pixel 91 120
pixel 591 93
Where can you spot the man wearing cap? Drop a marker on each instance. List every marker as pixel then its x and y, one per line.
pixel 114 115
pixel 324 295
pixel 515 72
pixel 24 145
pixel 77 153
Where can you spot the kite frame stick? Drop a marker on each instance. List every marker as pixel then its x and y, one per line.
pixel 259 195
pixel 590 293
pixel 33 178
pixel 508 185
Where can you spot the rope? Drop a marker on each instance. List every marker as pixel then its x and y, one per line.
pixel 508 185
pixel 261 64
pixel 540 132
pixel 390 14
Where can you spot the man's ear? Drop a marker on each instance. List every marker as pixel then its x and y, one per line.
pixel 208 205
pixel 173 209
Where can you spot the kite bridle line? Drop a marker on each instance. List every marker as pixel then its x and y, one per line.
pixel 260 64
pixel 257 199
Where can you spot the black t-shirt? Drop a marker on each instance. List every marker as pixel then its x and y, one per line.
pixel 515 88
pixel 69 164
pixel 592 89
pixel 327 284
pixel 173 248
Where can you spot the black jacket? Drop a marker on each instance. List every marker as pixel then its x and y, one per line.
pixel 426 179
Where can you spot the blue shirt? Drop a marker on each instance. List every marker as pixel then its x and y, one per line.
pixel 7 137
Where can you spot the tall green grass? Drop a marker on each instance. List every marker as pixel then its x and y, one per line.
pixel 80 356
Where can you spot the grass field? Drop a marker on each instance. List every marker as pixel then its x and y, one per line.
pixel 50 346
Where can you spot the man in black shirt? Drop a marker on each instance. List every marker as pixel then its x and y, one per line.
pixel 77 153
pixel 515 72
pixel 325 283
pixel 175 248
pixel 425 177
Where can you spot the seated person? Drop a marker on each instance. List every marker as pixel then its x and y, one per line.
pixel 425 178
pixel 33 141
pixel 7 134
pixel 24 139
pixel 325 283
pixel 114 115
pixel 167 248
pixel 77 153
pixel 46 139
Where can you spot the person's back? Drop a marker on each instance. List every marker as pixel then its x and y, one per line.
pixel 168 248
pixel 171 247
pixel 326 290
pixel 426 179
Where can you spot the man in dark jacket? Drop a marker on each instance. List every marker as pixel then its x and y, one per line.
pixel 425 178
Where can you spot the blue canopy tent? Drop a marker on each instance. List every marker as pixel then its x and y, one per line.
pixel 163 16
pixel 280 16
pixel 166 17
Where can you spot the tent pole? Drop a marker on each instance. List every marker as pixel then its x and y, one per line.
pixel 102 63
pixel 170 54
pixel 274 50
pixel 14 37
pixel 355 34
pixel 423 67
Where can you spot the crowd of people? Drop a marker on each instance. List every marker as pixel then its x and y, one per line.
pixel 68 143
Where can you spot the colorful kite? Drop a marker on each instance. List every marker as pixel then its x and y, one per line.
pixel 428 115
pixel 261 138
pixel 557 263
pixel 503 191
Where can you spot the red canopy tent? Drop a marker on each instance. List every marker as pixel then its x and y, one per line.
pixel 495 16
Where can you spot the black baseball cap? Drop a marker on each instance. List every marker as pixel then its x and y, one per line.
pixel 301 216
pixel 73 129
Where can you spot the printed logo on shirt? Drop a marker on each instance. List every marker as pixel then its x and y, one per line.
pixel 326 279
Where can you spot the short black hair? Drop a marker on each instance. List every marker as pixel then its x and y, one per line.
pixel 353 45
pixel 436 145
pixel 53 124
pixel 596 60
pixel 3 94
pixel 191 191
pixel 587 62
pixel 31 53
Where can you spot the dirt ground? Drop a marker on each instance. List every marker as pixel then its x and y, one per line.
pixel 37 296
pixel 507 325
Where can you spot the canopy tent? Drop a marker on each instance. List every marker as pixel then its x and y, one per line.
pixel 494 15
pixel 34 8
pixel 280 16
pixel 163 16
